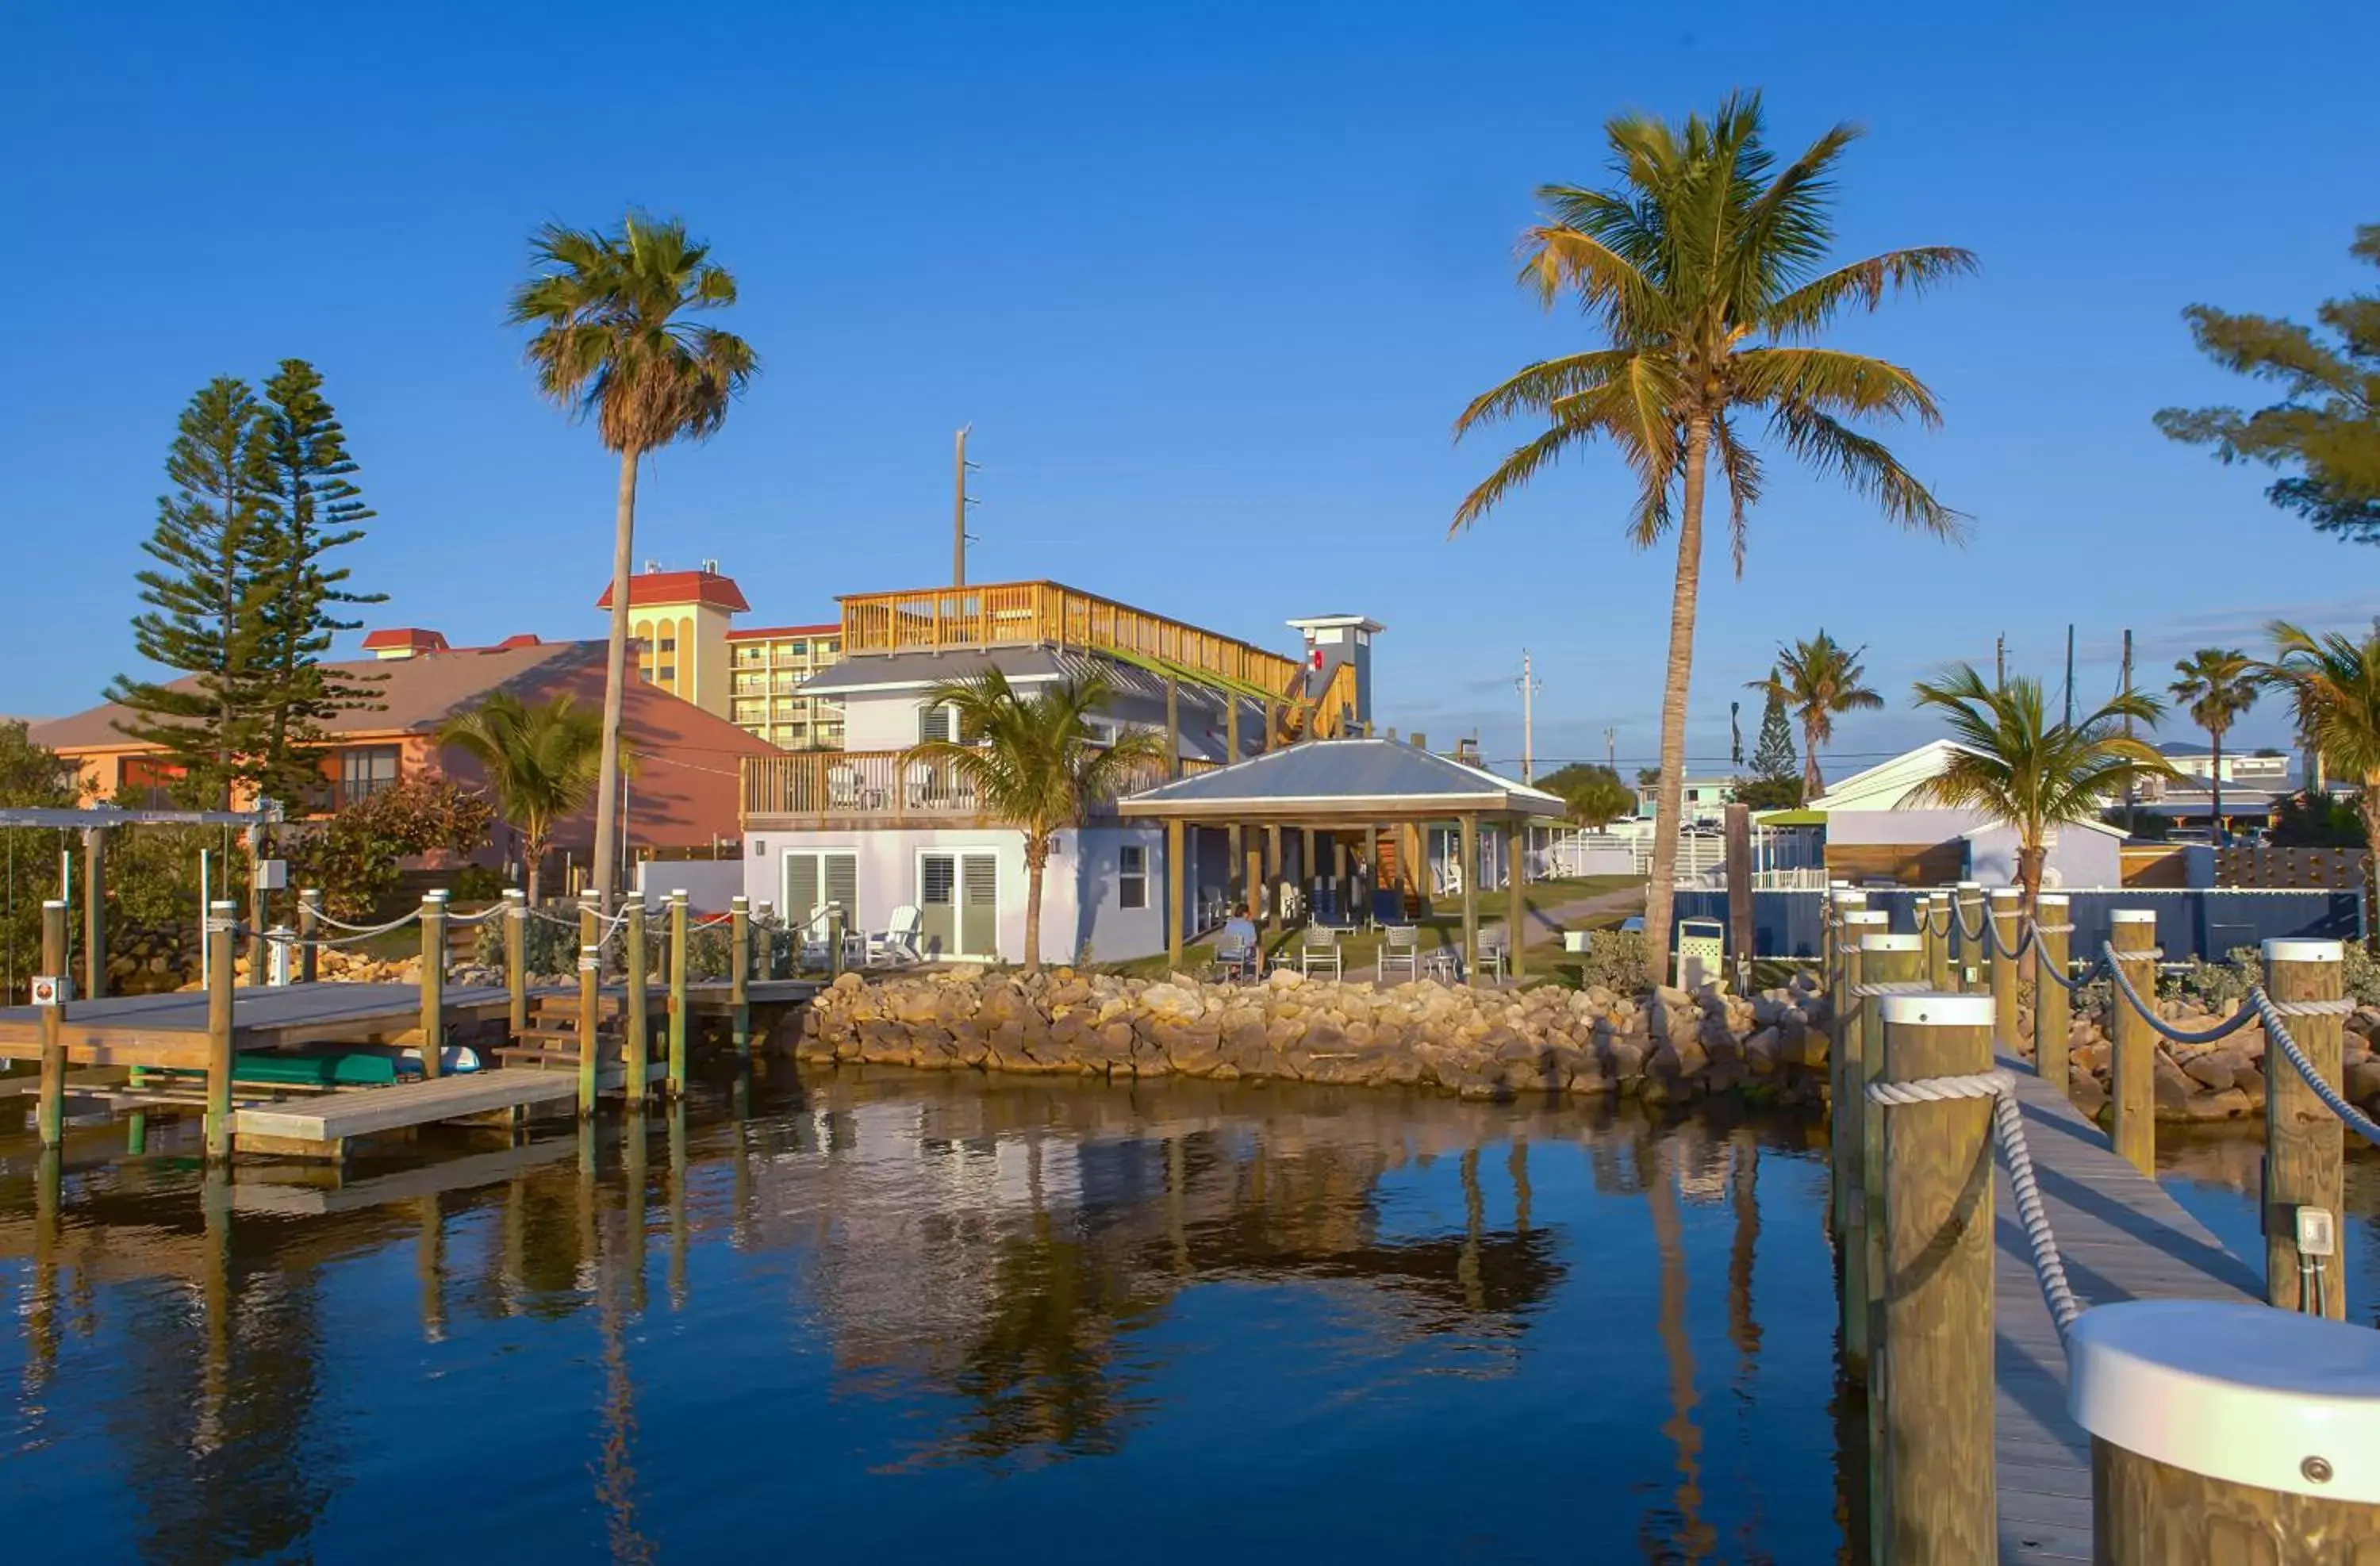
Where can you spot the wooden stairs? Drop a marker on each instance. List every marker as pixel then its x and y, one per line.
pixel 551 1039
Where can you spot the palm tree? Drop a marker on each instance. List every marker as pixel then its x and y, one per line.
pixel 1033 763
pixel 610 346
pixel 1703 268
pixel 2334 683
pixel 541 764
pixel 1598 797
pixel 2219 685
pixel 2018 768
pixel 1820 680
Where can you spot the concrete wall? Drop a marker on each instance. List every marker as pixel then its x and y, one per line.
pixel 709 883
pixel 2079 858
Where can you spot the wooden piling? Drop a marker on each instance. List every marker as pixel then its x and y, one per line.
pixel 1932 1366
pixel 739 969
pixel 2053 1009
pixel 677 906
pixel 309 930
pixel 1516 902
pixel 2132 1069
pixel 1842 1139
pixel 2304 1143
pixel 1176 896
pixel 638 1048
pixel 1468 856
pixel 50 1112
pixel 591 1001
pixel 2006 912
pixel 1967 909
pixel 433 982
pixel 219 929
pixel 1884 958
pixel 94 912
pixel 515 932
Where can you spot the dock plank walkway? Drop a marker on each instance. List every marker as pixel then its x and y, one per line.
pixel 2122 1237
pixel 360 1112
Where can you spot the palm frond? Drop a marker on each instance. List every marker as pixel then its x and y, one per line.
pixel 1864 284
pixel 1868 467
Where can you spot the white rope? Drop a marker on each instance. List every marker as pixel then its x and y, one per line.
pixel 399 923
pixel 482 917
pixel 2008 1132
pixel 2147 1013
pixel 1890 987
pixel 2275 1029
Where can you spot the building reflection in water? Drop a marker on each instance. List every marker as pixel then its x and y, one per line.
pixel 998 1253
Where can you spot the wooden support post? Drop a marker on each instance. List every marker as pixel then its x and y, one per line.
pixel 1883 959
pixel 2006 912
pixel 1932 1364
pixel 433 983
pixel 639 1018
pixel 834 928
pixel 219 929
pixel 2131 1068
pixel 1851 921
pixel 309 930
pixel 2053 1009
pixel 739 969
pixel 1276 872
pixel 1840 906
pixel 2303 1141
pixel 1176 901
pixel 515 934
pixel 95 914
pixel 256 920
pixel 1468 856
pixel 1939 917
pixel 1172 727
pixel 1272 724
pixel 1255 899
pixel 1308 871
pixel 51 1110
pixel 591 1001
pixel 677 915
pixel 1967 909
pixel 1342 891
pixel 1516 902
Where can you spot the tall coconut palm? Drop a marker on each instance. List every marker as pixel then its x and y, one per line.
pixel 1704 266
pixel 2333 682
pixel 1032 763
pixel 2219 685
pixel 2027 772
pixel 612 344
pixel 1820 680
pixel 541 764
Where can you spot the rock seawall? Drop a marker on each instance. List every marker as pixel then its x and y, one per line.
pixel 1665 1046
pixel 2205 1083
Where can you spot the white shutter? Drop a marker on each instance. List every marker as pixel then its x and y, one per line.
pixel 801 888
pixel 933 724
pixel 842 886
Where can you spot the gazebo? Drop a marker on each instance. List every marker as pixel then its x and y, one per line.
pixel 1378 792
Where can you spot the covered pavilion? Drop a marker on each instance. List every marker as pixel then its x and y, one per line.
pixel 1372 791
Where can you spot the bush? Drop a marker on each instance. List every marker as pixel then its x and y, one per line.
pixel 354 855
pixel 478 883
pixel 1615 959
pixel 2217 984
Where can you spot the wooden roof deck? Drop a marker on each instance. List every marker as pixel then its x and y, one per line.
pixel 2122 1237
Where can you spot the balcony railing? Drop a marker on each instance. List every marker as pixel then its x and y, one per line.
pixel 878 788
pixel 1038 614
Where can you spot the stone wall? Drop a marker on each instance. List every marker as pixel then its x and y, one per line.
pixel 1665 1046
pixel 2203 1083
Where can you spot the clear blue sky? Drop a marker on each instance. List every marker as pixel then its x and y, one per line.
pixel 1211 281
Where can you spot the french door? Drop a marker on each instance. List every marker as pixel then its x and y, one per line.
pixel 958 897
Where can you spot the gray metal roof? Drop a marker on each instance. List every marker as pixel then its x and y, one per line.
pixel 906 671
pixel 1344 779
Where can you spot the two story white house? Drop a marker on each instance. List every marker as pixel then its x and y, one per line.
pixel 874 832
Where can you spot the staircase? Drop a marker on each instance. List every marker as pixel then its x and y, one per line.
pixel 551 1039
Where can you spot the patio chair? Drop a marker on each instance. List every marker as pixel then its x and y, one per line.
pixel 816 933
pixel 1493 956
pixel 1400 947
pixel 1388 906
pixel 1320 950
pixel 1236 958
pixel 842 788
pixel 897 944
pixel 1325 905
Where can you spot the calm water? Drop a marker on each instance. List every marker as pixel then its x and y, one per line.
pixel 929 1318
pixel 2217 1176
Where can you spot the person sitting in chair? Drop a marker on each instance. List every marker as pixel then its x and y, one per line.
pixel 1239 934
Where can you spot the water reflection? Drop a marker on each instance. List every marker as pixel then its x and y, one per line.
pixel 2216 1174
pixel 1356 1315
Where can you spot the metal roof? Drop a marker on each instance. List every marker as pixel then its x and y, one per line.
pixel 1345 779
pixel 109 816
pixel 1023 666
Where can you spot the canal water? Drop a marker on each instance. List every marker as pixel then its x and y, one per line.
pixel 934 1317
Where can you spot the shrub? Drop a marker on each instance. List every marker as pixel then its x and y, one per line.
pixel 354 855
pixel 1615 959
pixel 478 883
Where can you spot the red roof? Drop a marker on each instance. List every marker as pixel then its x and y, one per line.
pixel 523 638
pixel 407 637
pixel 681 587
pixel 833 628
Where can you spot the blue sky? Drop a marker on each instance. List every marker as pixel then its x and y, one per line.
pixel 1212 283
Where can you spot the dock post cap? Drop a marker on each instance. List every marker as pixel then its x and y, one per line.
pixel 1865 916
pixel 515 895
pixel 2006 893
pixel 1938 1009
pixel 1883 943
pixel 1971 886
pixel 2132 916
pixel 2298 949
pixel 2048 898
pixel 436 894
pixel 2244 1393
pixel 60 903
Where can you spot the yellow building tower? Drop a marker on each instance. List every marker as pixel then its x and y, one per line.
pixel 679 620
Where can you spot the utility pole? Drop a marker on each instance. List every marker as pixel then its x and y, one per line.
pixel 959 503
pixel 1610 740
pixel 1530 684
pixel 2128 725
pixel 2069 673
pixel 1999 659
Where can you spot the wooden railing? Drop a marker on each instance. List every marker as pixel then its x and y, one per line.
pixel 1044 613
pixel 880 786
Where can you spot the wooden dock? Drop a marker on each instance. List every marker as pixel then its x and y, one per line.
pixel 2121 1238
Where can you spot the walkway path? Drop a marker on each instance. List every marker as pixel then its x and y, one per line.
pixel 2122 1237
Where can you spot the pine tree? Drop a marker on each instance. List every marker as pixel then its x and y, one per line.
pixel 206 594
pixel 1773 755
pixel 316 508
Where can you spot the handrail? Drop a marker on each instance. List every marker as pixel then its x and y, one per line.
pixel 880 784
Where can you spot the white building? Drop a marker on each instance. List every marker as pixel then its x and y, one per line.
pixel 875 833
pixel 1875 831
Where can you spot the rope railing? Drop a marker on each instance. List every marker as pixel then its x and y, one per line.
pixel 2016 1155
pixel 395 924
pixel 2276 1031
pixel 2113 960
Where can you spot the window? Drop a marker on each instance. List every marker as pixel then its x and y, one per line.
pixel 933 724
pixel 1131 877
pixel 364 771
